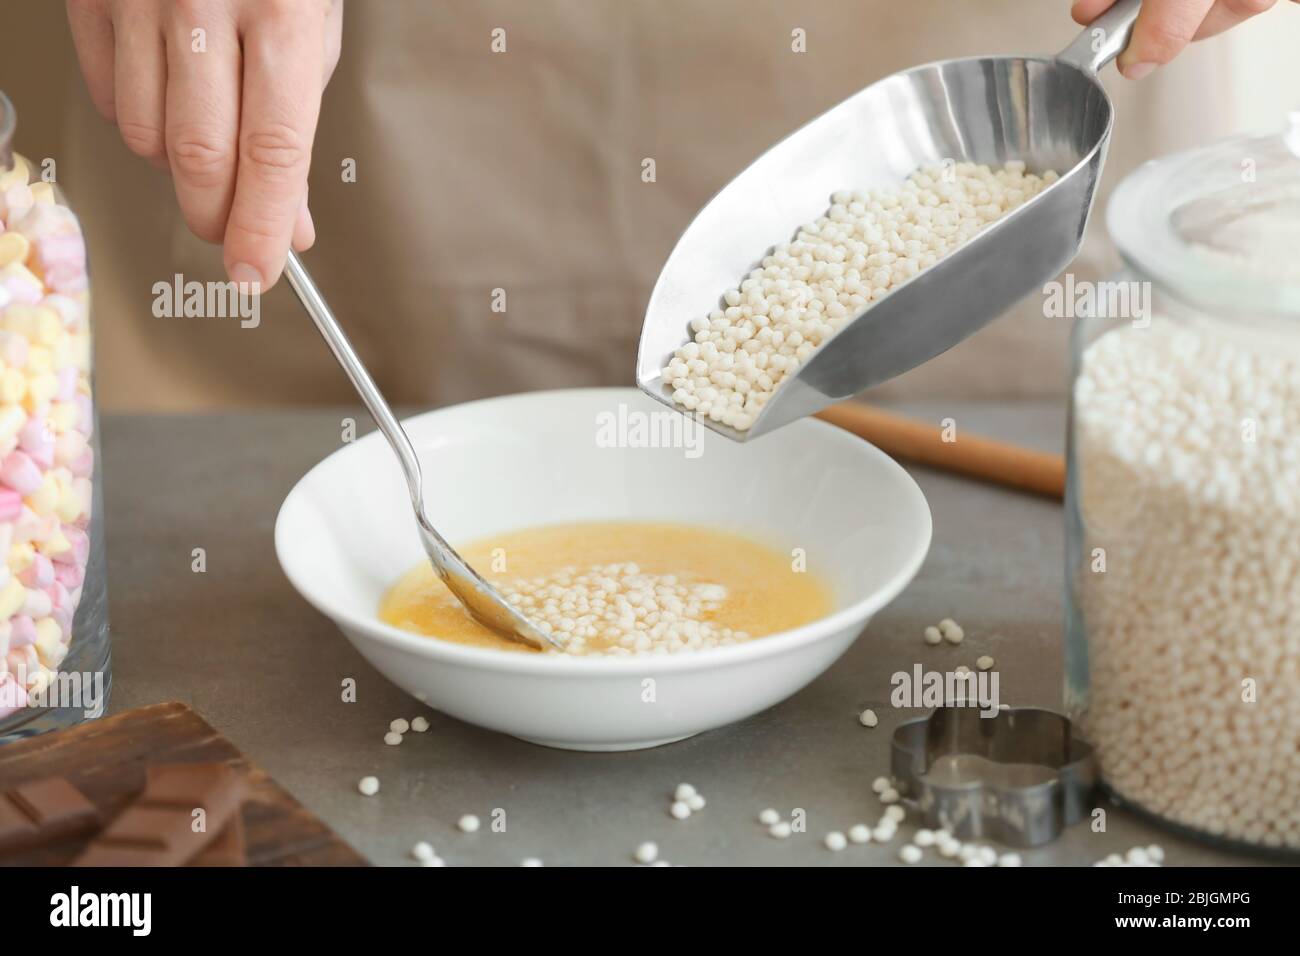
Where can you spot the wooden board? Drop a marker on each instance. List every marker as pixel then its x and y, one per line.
pixel 106 760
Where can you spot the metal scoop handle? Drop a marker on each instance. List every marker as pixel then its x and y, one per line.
pixel 482 601
pixel 1104 38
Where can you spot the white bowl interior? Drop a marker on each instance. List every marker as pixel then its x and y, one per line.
pixel 346 533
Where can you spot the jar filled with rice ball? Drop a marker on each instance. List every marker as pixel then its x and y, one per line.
pixel 54 645
pixel 1183 501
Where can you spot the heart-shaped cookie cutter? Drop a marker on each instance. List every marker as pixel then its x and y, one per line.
pixel 1019 777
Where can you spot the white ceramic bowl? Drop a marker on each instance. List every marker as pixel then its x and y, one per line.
pixel 345 534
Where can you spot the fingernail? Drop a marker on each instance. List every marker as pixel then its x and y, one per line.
pixel 245 274
pixel 1135 71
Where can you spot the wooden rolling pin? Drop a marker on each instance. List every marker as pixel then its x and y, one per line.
pixel 971 455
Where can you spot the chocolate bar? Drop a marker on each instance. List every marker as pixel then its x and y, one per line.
pixel 159 827
pixel 43 812
pixel 230 848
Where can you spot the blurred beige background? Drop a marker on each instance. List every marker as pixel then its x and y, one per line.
pixel 522 171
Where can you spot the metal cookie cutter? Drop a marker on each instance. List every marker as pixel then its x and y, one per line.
pixel 1019 777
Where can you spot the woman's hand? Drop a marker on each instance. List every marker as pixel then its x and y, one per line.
pixel 225 94
pixel 1164 27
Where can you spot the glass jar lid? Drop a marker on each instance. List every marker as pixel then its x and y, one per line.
pixel 1218 226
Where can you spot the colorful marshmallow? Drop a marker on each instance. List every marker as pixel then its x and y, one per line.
pixel 46 417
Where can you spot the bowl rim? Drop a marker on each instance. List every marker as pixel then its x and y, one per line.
pixel 483 658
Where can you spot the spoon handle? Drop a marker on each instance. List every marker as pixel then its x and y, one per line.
pixel 479 598
pixel 334 336
pixel 1104 38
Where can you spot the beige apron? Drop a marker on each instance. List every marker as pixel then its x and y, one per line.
pixel 522 172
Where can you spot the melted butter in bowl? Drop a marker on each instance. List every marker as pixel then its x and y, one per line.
pixel 626 587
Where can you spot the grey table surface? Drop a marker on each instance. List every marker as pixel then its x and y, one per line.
pixel 239 645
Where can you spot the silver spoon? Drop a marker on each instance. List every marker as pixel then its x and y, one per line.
pixel 1049 111
pixel 484 603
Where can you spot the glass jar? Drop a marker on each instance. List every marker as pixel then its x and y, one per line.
pixel 1183 499
pixel 54 645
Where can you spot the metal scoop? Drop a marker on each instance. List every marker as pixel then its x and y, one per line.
pixel 484 603
pixel 1050 112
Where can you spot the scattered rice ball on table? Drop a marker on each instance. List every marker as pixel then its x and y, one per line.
pixel 835 841
pixel 1153 855
pixel 974 854
pixel 1201 533
pixel 768 817
pixel 468 823
pixel 949 848
pixel 617 609
pixel 868 718
pixel 419 725
pixel 951 631
pixel 687 794
pixel 369 786
pixel 646 853
pixel 806 290
pixel 860 833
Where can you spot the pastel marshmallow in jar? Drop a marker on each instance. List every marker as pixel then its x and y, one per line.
pixel 46 420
